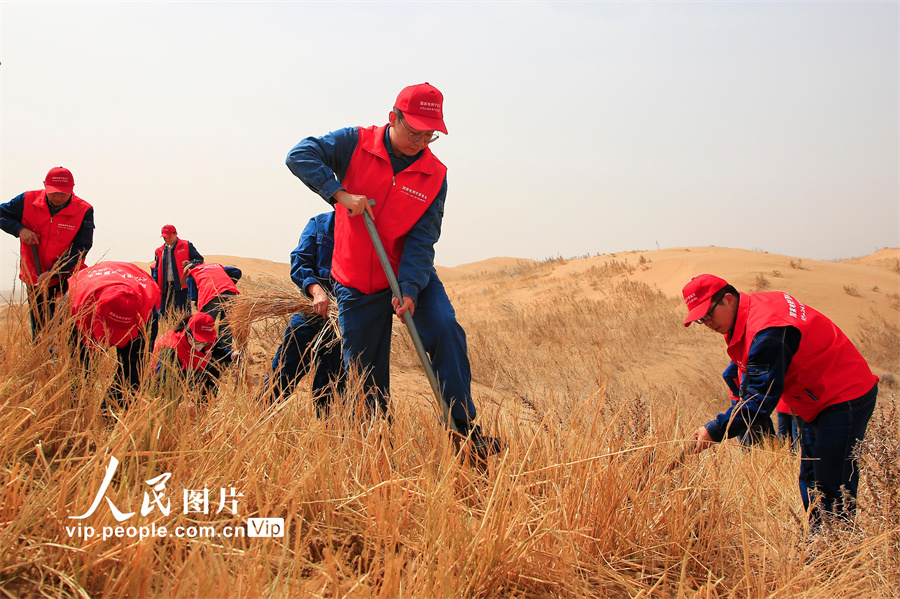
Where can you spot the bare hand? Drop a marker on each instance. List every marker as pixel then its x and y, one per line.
pixel 702 440
pixel 43 277
pixel 354 203
pixel 320 301
pixel 407 304
pixel 28 236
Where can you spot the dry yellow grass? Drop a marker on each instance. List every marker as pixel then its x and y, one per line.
pixel 582 366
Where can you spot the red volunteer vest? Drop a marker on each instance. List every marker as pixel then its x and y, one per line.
pixel 826 370
pixel 400 200
pixel 56 233
pixel 85 286
pixel 188 359
pixel 211 280
pixel 179 254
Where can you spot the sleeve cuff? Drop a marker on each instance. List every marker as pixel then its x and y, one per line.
pixel 411 292
pixel 306 283
pixel 714 431
pixel 329 189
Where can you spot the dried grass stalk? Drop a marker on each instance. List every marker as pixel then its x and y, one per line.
pixel 272 299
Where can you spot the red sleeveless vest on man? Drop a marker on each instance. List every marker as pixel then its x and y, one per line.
pixel 56 233
pixel 88 283
pixel 211 280
pixel 826 370
pixel 188 359
pixel 400 200
pixel 180 253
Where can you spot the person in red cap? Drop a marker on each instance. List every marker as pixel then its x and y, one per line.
pixel 185 351
pixel 211 287
pixel 169 269
pixel 114 305
pixel 393 165
pixel 785 350
pixel 56 230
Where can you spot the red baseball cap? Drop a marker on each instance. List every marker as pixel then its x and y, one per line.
pixel 422 106
pixel 59 180
pixel 118 315
pixel 698 295
pixel 202 327
pixel 168 230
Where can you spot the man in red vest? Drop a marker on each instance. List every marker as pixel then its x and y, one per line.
pixel 393 165
pixel 114 305
pixel 785 350
pixel 169 270
pixel 212 286
pixel 55 229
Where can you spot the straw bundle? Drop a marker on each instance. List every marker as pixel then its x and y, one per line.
pixel 268 300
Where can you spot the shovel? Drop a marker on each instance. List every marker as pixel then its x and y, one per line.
pixel 43 291
pixel 408 321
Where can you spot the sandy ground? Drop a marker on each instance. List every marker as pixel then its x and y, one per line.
pixel 847 292
pixel 844 291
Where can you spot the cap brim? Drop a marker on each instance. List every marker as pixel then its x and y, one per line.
pixel 54 189
pixel 424 123
pixel 211 338
pixel 698 312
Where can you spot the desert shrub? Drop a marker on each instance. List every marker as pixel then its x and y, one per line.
pixel 879 341
pixel 879 456
pixel 852 290
pixel 895 300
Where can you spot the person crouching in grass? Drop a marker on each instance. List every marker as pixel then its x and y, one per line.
pixel 183 354
pixel 114 305
pixel 786 350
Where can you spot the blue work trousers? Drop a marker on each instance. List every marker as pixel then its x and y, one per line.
pixel 366 321
pixel 787 428
pixel 295 358
pixel 826 446
pixel 175 301
pixel 217 308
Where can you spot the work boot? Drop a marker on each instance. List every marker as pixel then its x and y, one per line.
pixel 478 447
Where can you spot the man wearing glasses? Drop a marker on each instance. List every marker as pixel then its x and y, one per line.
pixel 394 166
pixel 185 352
pixel 787 351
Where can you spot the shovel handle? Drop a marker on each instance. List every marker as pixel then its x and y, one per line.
pixel 37 259
pixel 408 321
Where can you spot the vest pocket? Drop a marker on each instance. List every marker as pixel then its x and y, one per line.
pixel 813 397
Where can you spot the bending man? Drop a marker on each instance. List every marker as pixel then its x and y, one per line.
pixel 786 350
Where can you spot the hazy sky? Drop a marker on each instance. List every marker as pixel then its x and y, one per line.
pixel 575 128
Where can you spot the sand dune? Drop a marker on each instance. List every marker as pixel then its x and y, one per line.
pixel 845 291
pixel 250 267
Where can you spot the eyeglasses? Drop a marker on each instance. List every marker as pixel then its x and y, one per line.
pixel 417 136
pixel 708 316
pixel 196 345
